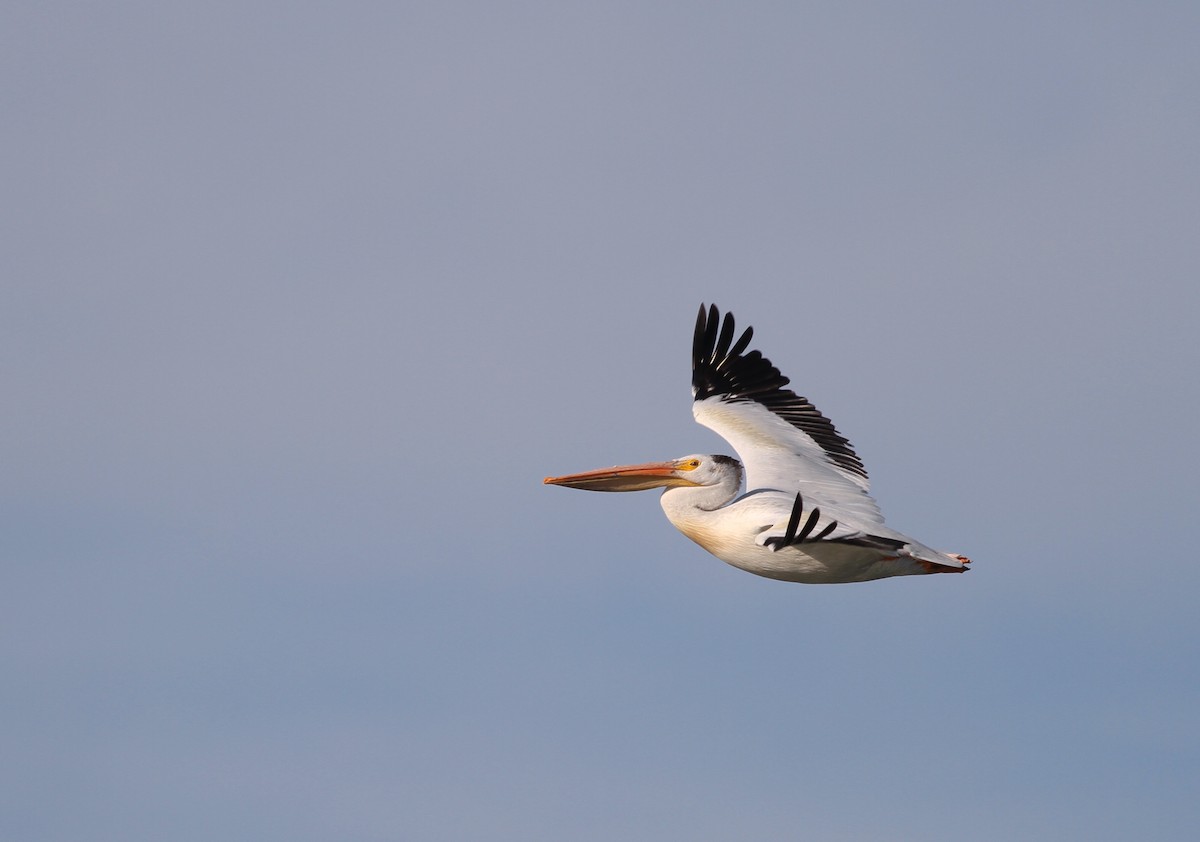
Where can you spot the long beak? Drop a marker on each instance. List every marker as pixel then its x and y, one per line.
pixel 624 478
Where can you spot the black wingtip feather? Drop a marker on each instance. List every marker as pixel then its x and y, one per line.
pixel 824 532
pixel 726 338
pixel 809 525
pixel 742 344
pixel 789 535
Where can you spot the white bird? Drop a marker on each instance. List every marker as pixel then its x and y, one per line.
pixel 806 514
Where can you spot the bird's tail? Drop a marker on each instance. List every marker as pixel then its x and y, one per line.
pixel 945 563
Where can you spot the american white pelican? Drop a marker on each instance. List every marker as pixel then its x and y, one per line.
pixel 806 515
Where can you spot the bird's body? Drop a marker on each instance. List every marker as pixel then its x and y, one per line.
pixel 806 515
pixel 734 533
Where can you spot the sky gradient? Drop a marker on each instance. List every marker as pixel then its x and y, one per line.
pixel 300 303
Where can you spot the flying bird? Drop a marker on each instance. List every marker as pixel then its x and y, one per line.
pixel 806 513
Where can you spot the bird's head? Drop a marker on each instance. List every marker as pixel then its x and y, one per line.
pixel 689 472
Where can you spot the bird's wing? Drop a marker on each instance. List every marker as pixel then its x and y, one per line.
pixel 806 523
pixel 783 441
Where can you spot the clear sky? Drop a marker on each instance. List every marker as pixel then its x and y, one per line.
pixel 300 302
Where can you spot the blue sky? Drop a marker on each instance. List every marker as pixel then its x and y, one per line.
pixel 301 303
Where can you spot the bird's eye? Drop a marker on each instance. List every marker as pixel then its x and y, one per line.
pixel 695 463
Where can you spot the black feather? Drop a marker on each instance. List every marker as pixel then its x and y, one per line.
pixel 797 509
pixel 820 535
pixel 813 517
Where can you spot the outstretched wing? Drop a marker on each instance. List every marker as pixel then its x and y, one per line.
pixel 784 443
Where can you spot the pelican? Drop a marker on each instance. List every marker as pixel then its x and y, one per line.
pixel 806 514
